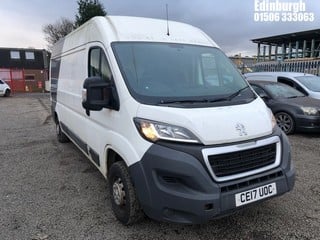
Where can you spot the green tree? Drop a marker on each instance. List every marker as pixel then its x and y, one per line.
pixel 88 9
pixel 59 29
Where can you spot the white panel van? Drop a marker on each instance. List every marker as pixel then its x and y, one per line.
pixel 167 119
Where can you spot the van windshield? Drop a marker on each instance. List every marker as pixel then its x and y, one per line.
pixel 311 82
pixel 164 73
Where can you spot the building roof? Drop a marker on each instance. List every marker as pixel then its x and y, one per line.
pixel 289 37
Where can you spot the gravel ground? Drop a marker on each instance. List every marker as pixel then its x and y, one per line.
pixel 51 191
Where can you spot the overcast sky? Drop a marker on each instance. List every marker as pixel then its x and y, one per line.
pixel 229 22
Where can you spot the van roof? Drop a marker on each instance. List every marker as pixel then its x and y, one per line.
pixel 123 28
pixel 149 29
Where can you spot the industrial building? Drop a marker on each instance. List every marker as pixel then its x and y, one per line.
pixel 24 69
pixel 299 52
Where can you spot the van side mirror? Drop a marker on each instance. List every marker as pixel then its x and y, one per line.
pixel 98 94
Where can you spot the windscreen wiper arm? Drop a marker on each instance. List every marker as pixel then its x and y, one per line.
pixel 230 97
pixel 183 101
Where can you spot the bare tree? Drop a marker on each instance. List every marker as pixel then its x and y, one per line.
pixel 59 29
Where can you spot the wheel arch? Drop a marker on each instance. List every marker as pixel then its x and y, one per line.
pixel 111 157
pixel 55 117
pixel 121 149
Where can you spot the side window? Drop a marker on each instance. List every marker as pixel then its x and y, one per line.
pixel 94 62
pixel 98 64
pixel 286 81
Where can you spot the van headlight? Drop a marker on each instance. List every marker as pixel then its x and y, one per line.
pixel 311 111
pixel 154 131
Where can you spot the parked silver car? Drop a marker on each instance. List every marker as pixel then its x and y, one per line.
pixel 306 83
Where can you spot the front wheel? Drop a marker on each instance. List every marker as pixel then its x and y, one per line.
pixel 7 93
pixel 124 201
pixel 285 122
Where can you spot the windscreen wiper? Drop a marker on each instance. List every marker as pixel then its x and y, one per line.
pixel 183 101
pixel 230 97
pixel 295 96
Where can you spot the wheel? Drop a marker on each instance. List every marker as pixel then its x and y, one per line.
pixel 124 201
pixel 7 93
pixel 60 135
pixel 285 122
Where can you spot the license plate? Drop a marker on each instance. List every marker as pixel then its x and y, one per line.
pixel 255 194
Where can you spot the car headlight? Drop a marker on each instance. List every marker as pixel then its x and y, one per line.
pixel 154 131
pixel 309 111
pixel 273 119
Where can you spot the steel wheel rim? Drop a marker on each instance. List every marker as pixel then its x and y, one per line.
pixel 119 195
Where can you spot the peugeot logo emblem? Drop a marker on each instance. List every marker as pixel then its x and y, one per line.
pixel 241 129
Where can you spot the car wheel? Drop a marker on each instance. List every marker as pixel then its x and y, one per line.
pixel 7 93
pixel 285 122
pixel 60 135
pixel 124 201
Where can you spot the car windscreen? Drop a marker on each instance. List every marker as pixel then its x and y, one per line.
pixel 166 72
pixel 282 91
pixel 311 82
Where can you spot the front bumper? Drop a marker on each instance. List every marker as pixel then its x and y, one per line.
pixel 308 123
pixel 176 186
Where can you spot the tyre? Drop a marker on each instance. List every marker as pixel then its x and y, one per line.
pixel 7 93
pixel 124 201
pixel 285 122
pixel 60 135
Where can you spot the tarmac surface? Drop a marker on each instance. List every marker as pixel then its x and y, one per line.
pixel 49 190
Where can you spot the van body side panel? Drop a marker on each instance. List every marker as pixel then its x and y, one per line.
pixel 116 130
pixel 69 94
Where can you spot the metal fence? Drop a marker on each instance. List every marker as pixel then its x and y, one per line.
pixel 308 66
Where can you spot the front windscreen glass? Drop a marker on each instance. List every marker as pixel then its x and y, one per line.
pixel 162 73
pixel 311 82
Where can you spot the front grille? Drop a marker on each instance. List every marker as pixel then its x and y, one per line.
pixel 245 184
pixel 227 164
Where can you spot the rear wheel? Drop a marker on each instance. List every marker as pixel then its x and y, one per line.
pixel 7 93
pixel 60 135
pixel 285 122
pixel 125 204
